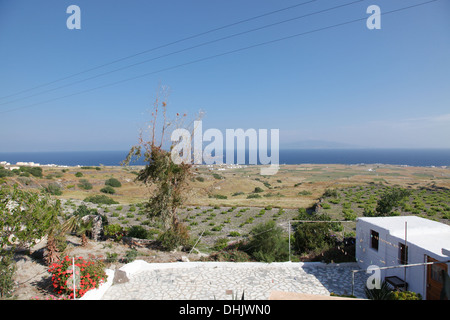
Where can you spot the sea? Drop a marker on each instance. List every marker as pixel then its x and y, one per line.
pixel 408 157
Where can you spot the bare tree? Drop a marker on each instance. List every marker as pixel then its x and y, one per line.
pixel 168 179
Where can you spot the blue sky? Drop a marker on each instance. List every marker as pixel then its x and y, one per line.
pixel 347 85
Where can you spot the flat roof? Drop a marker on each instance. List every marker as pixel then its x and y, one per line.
pixel 431 235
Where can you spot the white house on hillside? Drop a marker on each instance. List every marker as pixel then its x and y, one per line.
pixel 405 240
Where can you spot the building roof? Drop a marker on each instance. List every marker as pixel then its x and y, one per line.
pixel 430 235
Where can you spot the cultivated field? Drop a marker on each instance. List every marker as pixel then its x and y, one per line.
pixel 229 202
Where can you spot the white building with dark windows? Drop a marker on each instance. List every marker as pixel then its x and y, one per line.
pixel 394 242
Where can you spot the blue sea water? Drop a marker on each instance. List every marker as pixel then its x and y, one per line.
pixel 411 157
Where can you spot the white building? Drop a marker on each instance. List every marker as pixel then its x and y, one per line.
pixel 30 164
pixel 381 241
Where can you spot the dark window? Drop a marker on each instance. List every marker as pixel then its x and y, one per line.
pixel 402 253
pixel 374 239
pixel 437 273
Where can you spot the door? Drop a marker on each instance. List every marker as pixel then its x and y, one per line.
pixel 435 280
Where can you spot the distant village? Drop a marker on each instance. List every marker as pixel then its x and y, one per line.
pixel 10 166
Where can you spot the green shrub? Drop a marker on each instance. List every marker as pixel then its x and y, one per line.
pixel 405 295
pixel 347 205
pixel 218 196
pixel 253 196
pixel 113 182
pixel 237 193
pixel 176 235
pixel 305 193
pixel 111 257
pixel 5 173
pixel 83 210
pixel 201 179
pixel 100 199
pixel 108 189
pixel 7 270
pixel 114 231
pixel 34 171
pixel 78 174
pixel 232 255
pixel 383 293
pixel 85 184
pixel 217 228
pixel 391 199
pixel 326 206
pixel 335 200
pixel 53 189
pixel 349 214
pixel 234 234
pixel 138 232
pixel 312 236
pixel 131 255
pixel 258 190
pixel 267 243
pixel 217 176
pixel 330 193
pixel 220 244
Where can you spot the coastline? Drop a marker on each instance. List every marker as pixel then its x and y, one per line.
pixel 395 157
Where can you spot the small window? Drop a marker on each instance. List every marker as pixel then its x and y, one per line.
pixel 402 253
pixel 374 239
pixel 437 273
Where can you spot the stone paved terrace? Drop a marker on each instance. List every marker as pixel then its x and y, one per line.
pixel 216 280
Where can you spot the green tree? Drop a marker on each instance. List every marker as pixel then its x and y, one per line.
pixel 312 236
pixel 389 200
pixel 267 243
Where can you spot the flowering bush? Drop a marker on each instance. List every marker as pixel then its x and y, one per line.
pixel 88 275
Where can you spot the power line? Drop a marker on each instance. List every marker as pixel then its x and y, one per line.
pixel 160 47
pixel 183 50
pixel 215 56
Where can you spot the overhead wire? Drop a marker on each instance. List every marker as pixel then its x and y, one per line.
pixel 161 46
pixel 216 56
pixel 183 50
